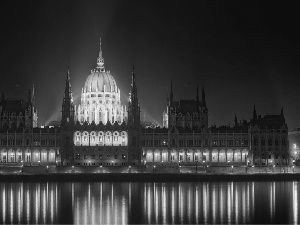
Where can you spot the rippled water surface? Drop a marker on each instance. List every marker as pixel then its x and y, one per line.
pixel 149 203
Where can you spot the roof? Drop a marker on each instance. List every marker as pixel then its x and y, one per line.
pixel 270 121
pixel 14 106
pixel 188 106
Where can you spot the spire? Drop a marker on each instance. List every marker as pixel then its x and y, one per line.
pixel 32 95
pixel 235 120
pixel 282 114
pixel 133 79
pixel 100 60
pixel 203 94
pixel 29 98
pixel 67 105
pixel 68 89
pixel 197 96
pixel 254 114
pixel 68 74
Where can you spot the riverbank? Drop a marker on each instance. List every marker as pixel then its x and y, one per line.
pixel 147 177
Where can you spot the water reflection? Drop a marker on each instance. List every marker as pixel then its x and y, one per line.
pixel 163 203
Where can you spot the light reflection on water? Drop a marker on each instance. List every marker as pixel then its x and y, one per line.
pixel 163 203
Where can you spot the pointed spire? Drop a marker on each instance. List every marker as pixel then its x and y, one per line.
pixel 29 98
pixel 254 114
pixel 32 95
pixel 282 114
pixel 100 60
pixel 197 96
pixel 235 120
pixel 133 75
pixel 171 94
pixel 203 94
pixel 68 74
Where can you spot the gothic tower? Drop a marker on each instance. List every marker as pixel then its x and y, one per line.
pixel 67 105
pixel 30 111
pixel 67 122
pixel 134 128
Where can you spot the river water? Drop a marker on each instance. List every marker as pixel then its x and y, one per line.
pixel 149 203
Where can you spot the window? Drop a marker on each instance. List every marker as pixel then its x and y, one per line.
pixel 108 156
pixel 190 143
pixel 230 142
pixel 172 156
pixel 100 156
pixel 215 143
pixel 245 142
pixel 270 142
pixel 173 142
pixel 262 142
pixel 181 143
pixel 180 157
pixel 123 156
pixel 85 157
pixel 206 142
pixel 283 141
pixel 116 156
pixel 77 156
pixel 143 142
pixel 156 143
pixel 276 141
pixel 255 142
pixel 93 156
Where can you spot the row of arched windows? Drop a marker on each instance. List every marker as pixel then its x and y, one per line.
pixel 100 138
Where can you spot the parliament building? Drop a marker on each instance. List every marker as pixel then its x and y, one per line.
pixel 100 131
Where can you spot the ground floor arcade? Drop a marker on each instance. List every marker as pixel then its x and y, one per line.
pixel 28 156
pixel 196 155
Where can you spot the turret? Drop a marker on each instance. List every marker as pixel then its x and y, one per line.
pixel 282 115
pixel 203 96
pixel 235 121
pixel 197 96
pixel 254 115
pixel 171 94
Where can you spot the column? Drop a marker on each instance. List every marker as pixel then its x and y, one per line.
pixel 153 155
pixel 218 155
pixel 241 156
pixel 161 155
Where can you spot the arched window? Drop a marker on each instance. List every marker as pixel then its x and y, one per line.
pixel 173 142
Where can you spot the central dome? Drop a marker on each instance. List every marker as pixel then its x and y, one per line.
pixel 100 97
pixel 100 81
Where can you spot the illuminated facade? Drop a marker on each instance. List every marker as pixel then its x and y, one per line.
pixel 102 133
pixel 100 97
pixel 186 138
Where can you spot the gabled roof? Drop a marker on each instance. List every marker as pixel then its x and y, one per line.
pixel 14 106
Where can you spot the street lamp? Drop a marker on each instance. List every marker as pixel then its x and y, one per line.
pixel 89 162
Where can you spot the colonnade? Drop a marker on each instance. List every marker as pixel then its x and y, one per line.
pixel 196 155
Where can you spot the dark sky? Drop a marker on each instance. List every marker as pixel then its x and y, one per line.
pixel 243 52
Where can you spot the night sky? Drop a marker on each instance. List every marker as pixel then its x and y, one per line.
pixel 243 52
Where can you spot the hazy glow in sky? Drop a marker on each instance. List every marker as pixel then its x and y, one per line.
pixel 245 53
